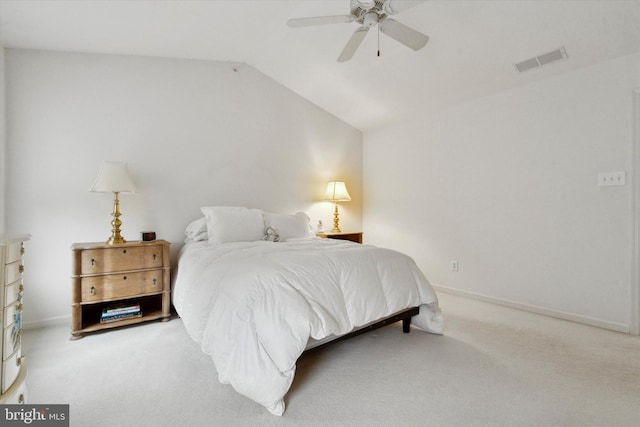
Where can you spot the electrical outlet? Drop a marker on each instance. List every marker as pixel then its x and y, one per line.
pixel 454 265
pixel 606 179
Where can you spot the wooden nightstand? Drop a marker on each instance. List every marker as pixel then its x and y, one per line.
pixel 353 236
pixel 107 277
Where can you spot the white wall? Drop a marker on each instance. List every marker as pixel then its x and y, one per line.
pixel 194 133
pixel 3 128
pixel 506 185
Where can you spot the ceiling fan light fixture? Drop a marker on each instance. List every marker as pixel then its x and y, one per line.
pixel 370 19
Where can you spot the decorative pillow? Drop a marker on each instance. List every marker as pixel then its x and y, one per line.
pixel 271 235
pixel 289 226
pixel 196 231
pixel 233 224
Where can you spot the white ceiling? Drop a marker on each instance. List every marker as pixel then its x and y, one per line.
pixel 473 44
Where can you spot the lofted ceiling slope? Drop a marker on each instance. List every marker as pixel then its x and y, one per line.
pixel 473 45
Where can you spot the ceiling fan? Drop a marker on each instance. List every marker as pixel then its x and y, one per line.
pixel 369 13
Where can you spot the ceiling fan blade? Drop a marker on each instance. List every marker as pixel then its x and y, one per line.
pixel 403 34
pixel 320 20
pixel 353 44
pixel 393 7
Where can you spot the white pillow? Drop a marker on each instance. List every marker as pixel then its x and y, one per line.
pixel 289 226
pixel 233 224
pixel 196 231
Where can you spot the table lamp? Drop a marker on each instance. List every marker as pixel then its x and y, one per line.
pixel 336 192
pixel 114 178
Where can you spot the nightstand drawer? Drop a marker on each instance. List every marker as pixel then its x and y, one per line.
pixel 17 393
pixel 14 251
pixel 12 338
pixel 94 261
pixel 14 271
pixel 124 285
pixel 10 313
pixel 10 370
pixel 12 292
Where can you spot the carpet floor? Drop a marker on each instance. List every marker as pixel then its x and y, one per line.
pixel 494 366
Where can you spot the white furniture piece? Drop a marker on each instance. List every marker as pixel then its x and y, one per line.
pixel 14 371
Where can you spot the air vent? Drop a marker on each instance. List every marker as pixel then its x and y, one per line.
pixel 543 59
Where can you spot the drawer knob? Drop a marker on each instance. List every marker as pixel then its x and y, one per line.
pixel 93 261
pixel 124 278
pixel 155 282
pixel 154 257
pixel 92 290
pixel 124 251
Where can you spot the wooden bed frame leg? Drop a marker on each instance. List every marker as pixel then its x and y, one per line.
pixel 406 325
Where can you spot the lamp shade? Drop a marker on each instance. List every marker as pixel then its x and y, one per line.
pixel 337 192
pixel 113 178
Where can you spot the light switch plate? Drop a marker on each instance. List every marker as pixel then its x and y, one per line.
pixel 611 178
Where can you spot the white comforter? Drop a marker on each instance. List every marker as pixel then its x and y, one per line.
pixel 253 306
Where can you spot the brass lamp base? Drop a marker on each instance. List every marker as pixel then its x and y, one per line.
pixel 115 238
pixel 336 221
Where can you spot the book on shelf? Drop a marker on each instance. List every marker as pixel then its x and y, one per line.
pixel 120 312
pixel 120 317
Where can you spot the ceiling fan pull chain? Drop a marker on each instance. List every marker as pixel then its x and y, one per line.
pixel 378 40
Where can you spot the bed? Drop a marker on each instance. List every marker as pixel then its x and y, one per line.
pixel 255 290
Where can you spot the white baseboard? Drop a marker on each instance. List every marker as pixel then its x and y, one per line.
pixel 604 324
pixel 52 321
pixel 614 326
